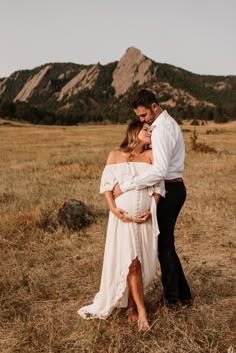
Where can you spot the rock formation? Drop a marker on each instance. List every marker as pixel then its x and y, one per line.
pixel 85 79
pixel 2 85
pixel 29 87
pixel 132 68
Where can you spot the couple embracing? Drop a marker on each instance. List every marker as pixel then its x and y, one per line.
pixel 145 191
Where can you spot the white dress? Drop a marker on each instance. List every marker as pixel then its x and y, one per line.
pixel 125 241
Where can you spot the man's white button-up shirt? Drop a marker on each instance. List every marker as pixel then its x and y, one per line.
pixel 168 154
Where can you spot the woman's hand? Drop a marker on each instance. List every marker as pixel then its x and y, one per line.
pixel 117 191
pixel 121 214
pixel 143 217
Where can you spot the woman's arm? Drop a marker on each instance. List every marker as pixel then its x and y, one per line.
pixel 118 212
pixel 110 200
pixel 156 197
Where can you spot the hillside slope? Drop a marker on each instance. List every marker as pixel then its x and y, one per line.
pixel 71 93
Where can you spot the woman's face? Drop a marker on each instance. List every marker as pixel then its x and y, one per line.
pixel 144 135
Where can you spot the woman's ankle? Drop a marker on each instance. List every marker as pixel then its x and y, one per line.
pixel 142 311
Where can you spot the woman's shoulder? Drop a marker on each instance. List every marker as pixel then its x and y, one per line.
pixel 114 157
pixel 148 155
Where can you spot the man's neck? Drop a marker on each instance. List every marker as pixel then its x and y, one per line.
pixel 158 112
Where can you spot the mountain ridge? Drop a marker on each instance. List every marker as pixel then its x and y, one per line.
pixel 69 93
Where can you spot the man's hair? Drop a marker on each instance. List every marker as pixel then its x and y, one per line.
pixel 144 98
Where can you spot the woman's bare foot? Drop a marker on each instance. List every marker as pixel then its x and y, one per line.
pixel 143 324
pixel 132 315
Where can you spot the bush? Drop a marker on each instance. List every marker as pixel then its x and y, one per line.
pixel 200 147
pixel 194 122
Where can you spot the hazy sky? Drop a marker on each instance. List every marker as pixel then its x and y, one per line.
pixel 197 35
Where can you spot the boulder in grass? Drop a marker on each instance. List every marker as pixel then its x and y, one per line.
pixel 75 214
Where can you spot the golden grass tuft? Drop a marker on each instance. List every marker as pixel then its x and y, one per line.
pixel 48 272
pixel 28 217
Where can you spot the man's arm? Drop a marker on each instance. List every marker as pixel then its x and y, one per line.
pixel 162 147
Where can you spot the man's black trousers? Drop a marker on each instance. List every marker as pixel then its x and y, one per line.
pixel 175 286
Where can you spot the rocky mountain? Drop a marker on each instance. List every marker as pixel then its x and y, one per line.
pixel 72 93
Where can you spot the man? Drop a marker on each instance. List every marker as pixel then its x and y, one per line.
pixel 168 155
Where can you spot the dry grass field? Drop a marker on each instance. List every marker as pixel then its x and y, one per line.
pixel 46 274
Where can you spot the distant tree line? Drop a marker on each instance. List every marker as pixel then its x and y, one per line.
pixel 87 110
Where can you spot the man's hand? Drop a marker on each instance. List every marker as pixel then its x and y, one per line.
pixel 121 215
pixel 117 191
pixel 143 217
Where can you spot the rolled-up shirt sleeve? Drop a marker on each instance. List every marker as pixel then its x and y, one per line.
pixel 162 147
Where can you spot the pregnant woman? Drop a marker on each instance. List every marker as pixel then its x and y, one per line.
pixel 130 256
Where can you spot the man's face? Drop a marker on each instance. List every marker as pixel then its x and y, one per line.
pixel 146 115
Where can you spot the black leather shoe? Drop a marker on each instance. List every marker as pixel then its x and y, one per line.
pixel 179 304
pixel 186 303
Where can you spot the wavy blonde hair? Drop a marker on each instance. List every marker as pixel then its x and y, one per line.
pixel 131 138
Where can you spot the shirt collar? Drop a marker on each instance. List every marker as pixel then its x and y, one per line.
pixel 158 119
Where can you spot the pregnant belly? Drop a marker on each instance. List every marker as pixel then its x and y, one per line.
pixel 134 202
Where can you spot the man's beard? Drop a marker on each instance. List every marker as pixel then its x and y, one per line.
pixel 152 117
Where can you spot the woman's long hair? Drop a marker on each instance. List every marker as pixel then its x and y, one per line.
pixel 131 137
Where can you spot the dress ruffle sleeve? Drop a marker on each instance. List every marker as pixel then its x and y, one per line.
pixel 108 179
pixel 158 188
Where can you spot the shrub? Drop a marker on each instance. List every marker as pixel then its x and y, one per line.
pixel 200 147
pixel 194 122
